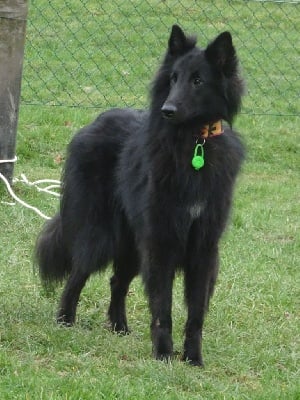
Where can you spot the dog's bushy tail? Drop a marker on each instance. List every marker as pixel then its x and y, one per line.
pixel 51 256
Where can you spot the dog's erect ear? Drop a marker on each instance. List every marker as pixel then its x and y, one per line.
pixel 177 41
pixel 221 53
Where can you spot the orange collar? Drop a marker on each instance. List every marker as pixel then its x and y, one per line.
pixel 212 129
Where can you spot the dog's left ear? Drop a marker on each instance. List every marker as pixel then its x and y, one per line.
pixel 179 43
pixel 221 53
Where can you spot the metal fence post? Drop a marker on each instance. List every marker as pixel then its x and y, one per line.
pixel 13 14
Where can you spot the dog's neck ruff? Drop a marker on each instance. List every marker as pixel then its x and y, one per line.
pixel 207 131
pixel 211 130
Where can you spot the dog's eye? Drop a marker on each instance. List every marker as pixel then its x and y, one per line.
pixel 173 78
pixel 197 81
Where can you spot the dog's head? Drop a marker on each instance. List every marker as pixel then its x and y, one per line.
pixel 201 84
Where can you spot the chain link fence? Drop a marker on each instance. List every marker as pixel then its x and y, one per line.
pixel 95 53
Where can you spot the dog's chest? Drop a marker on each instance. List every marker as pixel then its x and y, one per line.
pixel 196 209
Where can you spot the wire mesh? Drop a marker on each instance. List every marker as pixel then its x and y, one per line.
pixel 94 53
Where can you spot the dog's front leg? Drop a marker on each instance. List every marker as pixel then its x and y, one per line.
pixel 158 280
pixel 200 276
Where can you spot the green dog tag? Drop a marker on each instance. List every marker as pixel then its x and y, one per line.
pixel 198 159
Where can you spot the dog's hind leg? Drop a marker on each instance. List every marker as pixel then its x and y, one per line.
pixel 89 254
pixel 125 269
pixel 70 297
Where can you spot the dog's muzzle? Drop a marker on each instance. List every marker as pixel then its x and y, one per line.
pixel 169 111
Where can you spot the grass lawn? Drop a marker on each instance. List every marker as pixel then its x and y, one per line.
pixel 251 336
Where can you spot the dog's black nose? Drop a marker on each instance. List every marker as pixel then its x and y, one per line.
pixel 169 111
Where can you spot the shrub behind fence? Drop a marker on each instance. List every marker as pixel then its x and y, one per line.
pixel 91 53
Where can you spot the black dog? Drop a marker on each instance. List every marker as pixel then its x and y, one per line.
pixel 150 191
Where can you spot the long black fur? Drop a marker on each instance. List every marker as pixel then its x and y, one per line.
pixel 130 196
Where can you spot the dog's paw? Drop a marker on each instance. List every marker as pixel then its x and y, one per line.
pixel 193 361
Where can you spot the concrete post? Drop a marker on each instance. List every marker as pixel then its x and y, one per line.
pixel 13 15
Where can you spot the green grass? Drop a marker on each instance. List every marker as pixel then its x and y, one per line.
pixel 251 336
